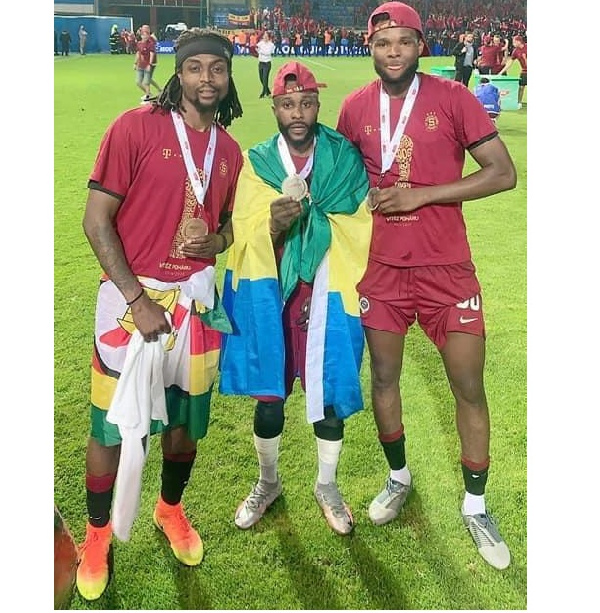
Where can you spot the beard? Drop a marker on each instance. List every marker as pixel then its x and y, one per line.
pixel 294 140
pixel 404 79
pixel 202 107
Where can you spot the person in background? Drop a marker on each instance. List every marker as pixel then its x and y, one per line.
pixel 465 53
pixel 156 306
pixel 82 39
pixel 327 38
pixel 490 56
pixel 114 40
pixel 489 96
pixel 65 42
pixel 519 54
pixel 143 63
pixel 265 48
pixel 297 43
pixel 243 42
pixel 458 60
pixel 131 43
pixel 277 41
pixel 420 269
pixel 291 290
pixel 145 29
pixel 502 45
pixel 252 40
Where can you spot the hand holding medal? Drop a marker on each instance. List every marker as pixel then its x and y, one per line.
pixel 371 201
pixel 284 211
pixel 194 227
pixel 197 242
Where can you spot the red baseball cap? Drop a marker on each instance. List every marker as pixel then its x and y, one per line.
pixel 305 80
pixel 399 15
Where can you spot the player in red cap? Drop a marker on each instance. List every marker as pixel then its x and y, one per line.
pixel 302 237
pixel 413 130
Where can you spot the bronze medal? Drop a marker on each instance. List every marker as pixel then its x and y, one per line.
pixel 295 187
pixel 194 227
pixel 370 202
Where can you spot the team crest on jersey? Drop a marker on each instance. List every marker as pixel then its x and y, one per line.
pixel 364 304
pixel 223 168
pixel 431 121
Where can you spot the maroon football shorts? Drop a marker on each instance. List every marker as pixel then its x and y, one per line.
pixel 445 298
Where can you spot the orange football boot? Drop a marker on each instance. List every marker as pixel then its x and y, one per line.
pixel 184 540
pixel 93 570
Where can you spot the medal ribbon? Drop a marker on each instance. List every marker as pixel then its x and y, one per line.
pixel 389 147
pixel 288 163
pixel 199 188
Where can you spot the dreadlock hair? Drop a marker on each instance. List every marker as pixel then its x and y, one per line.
pixel 171 97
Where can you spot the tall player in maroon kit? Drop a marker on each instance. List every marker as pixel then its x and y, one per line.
pixel 158 212
pixel 413 130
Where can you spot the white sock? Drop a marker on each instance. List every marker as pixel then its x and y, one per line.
pixel 267 450
pixel 329 455
pixel 473 505
pixel 402 476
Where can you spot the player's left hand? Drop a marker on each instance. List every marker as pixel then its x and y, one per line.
pixel 398 200
pixel 207 246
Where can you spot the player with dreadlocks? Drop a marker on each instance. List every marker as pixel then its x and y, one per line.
pixel 188 42
pixel 158 212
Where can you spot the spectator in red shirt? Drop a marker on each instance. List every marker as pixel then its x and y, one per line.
pixel 145 59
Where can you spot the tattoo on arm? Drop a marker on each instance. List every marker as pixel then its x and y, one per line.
pixel 109 251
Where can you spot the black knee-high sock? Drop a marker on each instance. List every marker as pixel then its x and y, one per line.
pixel 99 495
pixel 176 469
pixel 475 475
pixel 269 418
pixel 331 428
pixel 393 447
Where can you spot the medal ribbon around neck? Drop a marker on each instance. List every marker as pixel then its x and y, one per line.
pixel 288 163
pixel 198 186
pixel 389 147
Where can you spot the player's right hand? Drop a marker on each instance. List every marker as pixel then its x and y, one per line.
pixel 149 318
pixel 284 211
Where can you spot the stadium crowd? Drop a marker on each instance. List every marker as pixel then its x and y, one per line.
pixel 301 30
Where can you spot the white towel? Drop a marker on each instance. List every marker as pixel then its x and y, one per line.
pixel 139 398
pixel 201 286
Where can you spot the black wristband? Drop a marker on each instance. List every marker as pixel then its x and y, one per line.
pixel 136 298
pixel 225 245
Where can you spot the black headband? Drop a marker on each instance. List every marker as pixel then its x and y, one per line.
pixel 207 45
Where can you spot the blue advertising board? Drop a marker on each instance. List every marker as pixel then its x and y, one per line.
pixel 165 46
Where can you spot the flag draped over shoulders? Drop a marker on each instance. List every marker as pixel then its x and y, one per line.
pixel 328 247
pixel 338 185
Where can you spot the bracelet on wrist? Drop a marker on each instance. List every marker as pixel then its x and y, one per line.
pixel 136 298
